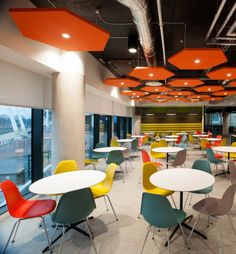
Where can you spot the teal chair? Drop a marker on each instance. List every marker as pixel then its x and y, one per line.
pixel 134 147
pixel 117 157
pixel 205 166
pixel 157 211
pixel 100 155
pixel 74 207
pixel 183 142
pixel 212 159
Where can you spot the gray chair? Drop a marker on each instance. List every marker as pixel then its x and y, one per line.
pixel 216 207
pixel 232 170
pixel 127 154
pixel 179 160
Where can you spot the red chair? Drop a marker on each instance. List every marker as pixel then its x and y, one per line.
pixel 198 132
pixel 23 209
pixel 178 139
pixel 217 143
pixel 217 155
pixel 146 158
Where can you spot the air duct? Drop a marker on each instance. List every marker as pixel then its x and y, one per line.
pixel 139 10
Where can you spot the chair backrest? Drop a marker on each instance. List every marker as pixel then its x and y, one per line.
pixel 74 206
pixel 157 211
pixel 180 158
pixel 114 142
pixel 202 165
pixel 145 139
pixel 128 135
pixel 100 144
pixel 66 166
pixel 227 201
pixel 149 168
pixel 184 139
pixel 100 155
pixel 162 143
pixel 190 138
pixel 203 142
pixel 232 170
pixel 134 144
pixel 110 172
pixel 208 145
pixel 145 156
pixel 12 195
pixel 223 141
pixel 210 155
pixel 198 132
pixel 116 157
pixel 233 144
pixel 178 139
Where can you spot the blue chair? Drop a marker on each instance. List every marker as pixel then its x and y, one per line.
pixel 100 155
pixel 212 159
pixel 157 211
pixel 183 142
pixel 74 207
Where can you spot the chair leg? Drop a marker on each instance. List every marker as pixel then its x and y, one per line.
pixel 46 232
pixel 123 173
pixel 4 251
pixel 184 236
pixel 231 223
pixel 106 203
pixel 168 240
pixel 173 201
pixel 126 168
pixel 221 237
pixel 146 238
pixel 90 235
pixel 191 196
pixel 13 240
pixel 186 199
pixel 112 207
pixel 63 234
pixel 193 226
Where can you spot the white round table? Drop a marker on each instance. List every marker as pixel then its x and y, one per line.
pixel 137 136
pixel 65 182
pixel 167 139
pixel 200 135
pixel 109 149
pixel 167 150
pixel 182 133
pixel 172 136
pixel 213 139
pixel 126 140
pixel 225 149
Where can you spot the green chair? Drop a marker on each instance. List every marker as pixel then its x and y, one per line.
pixel 205 166
pixel 117 157
pixel 212 159
pixel 74 207
pixel 157 211
pixel 99 155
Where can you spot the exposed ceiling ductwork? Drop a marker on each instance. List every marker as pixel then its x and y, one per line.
pixel 139 10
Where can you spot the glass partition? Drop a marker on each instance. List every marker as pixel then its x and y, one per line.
pixel 89 134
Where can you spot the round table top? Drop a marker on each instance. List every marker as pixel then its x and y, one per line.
pixel 137 136
pixel 125 140
pixel 200 135
pixel 182 179
pixel 65 182
pixel 181 133
pixel 225 149
pixel 109 149
pixel 172 136
pixel 167 139
pixel 167 149
pixel 213 139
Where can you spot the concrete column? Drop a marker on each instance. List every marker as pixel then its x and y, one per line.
pixel 137 125
pixel 225 123
pixel 68 117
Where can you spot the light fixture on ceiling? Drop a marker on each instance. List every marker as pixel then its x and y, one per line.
pixel 133 44
pixel 122 83
pixel 150 114
pixel 193 112
pixel 150 74
pixel 153 83
pixel 197 61
pixel 65 35
pixel 228 74
pixel 185 83
pixel 171 112
pixel 209 89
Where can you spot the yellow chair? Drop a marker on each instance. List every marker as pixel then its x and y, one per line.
pixel 128 135
pixel 66 166
pixel 89 161
pixel 145 140
pixel 103 188
pixel 114 142
pixel 162 143
pixel 223 142
pixel 191 139
pixel 155 155
pixel 232 155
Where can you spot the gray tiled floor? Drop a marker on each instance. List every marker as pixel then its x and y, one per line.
pixel 126 235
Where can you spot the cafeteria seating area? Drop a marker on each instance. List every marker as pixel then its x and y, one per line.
pixel 117 126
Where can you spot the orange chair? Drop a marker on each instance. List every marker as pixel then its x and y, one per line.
pixel 217 143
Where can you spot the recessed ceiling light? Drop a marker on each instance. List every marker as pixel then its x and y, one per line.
pixel 212 99
pixel 150 74
pixel 140 99
pixel 153 83
pixel 198 96
pixel 132 50
pixel 65 36
pixel 156 89
pixel 225 93
pixel 150 114
pixel 158 96
pixel 134 93
pixel 209 89
pixel 197 61
pixel 185 83
pixel 137 96
pixel 176 99
pixel 122 83
pixel 228 74
pixel 176 96
pixel 179 93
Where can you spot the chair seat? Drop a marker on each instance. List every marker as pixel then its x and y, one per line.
pixel 207 205
pixel 33 208
pixel 159 191
pixel 158 164
pixel 99 190
pixel 203 191
pixel 179 215
pixel 158 156
pixel 90 161
pixel 218 156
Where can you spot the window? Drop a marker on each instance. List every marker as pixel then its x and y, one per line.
pixel 103 129
pixel 89 135
pixel 47 142
pixel 216 119
pixel 15 146
pixel 115 126
pixel 232 120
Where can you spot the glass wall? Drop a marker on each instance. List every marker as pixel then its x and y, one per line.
pixel 15 147
pixel 103 124
pixel 115 127
pixel 89 134
pixel 47 142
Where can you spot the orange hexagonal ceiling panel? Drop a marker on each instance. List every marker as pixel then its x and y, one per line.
pixel 141 99
pixel 157 96
pixel 121 82
pixel 60 28
pixel 151 73
pixel 198 58
pixel 225 93
pixel 133 93
pixel 226 73
pixel 209 89
pixel 186 82
pixel 199 96
pixel 213 99
pixel 232 84
pixel 181 93
pixel 153 89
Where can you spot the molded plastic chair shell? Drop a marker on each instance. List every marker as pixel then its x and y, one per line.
pixel 217 143
pixel 146 158
pixel 114 142
pixel 180 158
pixel 66 166
pixel 232 170
pixel 154 154
pixel 116 157
pixel 100 155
